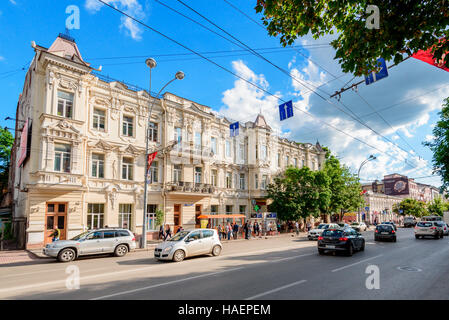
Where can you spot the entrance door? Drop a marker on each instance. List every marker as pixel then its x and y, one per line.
pixel 55 217
pixel 197 214
pixel 176 217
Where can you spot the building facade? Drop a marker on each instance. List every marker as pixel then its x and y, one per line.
pixel 80 155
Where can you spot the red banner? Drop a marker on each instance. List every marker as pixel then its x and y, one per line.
pixel 151 158
pixel 427 56
pixel 23 144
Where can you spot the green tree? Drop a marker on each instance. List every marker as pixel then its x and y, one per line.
pixel 440 145
pixel 405 28
pixel 6 142
pixel 345 187
pixel 159 217
pixel 299 193
pixel 410 207
pixel 436 207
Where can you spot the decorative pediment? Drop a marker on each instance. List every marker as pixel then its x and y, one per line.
pixel 63 125
pixel 133 150
pixel 143 93
pixel 118 85
pixel 103 145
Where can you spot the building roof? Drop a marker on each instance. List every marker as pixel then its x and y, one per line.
pixel 261 122
pixel 65 47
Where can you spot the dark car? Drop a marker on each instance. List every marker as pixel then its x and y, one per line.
pixel 345 239
pixel 391 223
pixel 385 232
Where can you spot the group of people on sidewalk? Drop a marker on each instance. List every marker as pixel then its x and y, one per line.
pixel 231 231
pixel 166 234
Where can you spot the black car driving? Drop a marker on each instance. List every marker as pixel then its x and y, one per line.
pixel 385 232
pixel 392 224
pixel 344 239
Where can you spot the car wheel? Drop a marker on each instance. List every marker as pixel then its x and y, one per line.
pixel 417 237
pixel 376 239
pixel 179 255
pixel 362 248
pixel 441 236
pixel 67 255
pixel 394 239
pixel 350 251
pixel 321 251
pixel 120 250
pixel 216 251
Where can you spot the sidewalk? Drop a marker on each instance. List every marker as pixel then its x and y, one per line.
pixel 16 256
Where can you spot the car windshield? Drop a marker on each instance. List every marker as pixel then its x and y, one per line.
pixel 424 224
pixel 322 226
pixel 81 235
pixel 384 228
pixel 354 224
pixel 332 233
pixel 179 236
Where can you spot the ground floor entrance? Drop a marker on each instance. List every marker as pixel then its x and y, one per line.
pixel 55 218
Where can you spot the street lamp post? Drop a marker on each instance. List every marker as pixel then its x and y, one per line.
pixel 370 158
pixel 151 63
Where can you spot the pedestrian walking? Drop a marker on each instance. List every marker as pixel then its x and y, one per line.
pixel 219 231
pixel 308 226
pixel 228 231
pixel 161 233
pixel 297 228
pixel 167 232
pixel 245 229
pixel 235 230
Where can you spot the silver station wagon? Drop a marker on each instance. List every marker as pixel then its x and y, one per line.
pixel 111 240
pixel 188 244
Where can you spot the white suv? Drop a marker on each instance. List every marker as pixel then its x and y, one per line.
pixel 428 229
pixel 318 231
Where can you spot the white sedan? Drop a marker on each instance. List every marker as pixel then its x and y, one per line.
pixel 359 226
pixel 315 233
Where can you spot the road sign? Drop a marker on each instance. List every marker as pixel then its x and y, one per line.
pixel 373 76
pixel 234 128
pixel 286 110
pixel 367 209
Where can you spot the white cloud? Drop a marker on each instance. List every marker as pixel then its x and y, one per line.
pixel 13 2
pixel 131 7
pixel 2 58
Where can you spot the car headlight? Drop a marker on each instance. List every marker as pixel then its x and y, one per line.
pixel 168 249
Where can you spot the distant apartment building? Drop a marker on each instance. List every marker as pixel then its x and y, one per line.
pixel 79 159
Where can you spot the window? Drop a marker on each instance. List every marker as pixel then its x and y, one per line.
pixel 256 181
pixel 278 159
pixel 287 160
pixel 198 142
pixel 177 171
pixel 228 148
pixel 214 177
pixel 242 209
pixel 109 234
pixel 62 157
pixel 95 215
pixel 264 182
pixel 214 208
pixel 242 181
pixel 207 233
pixel 302 163
pixel 152 132
pixel 124 218
pixel 263 150
pixel 154 173
pixel 151 216
pixel 99 119
pixel 128 126
pixel 296 162
pixel 228 180
pixel 178 138
pixel 228 209
pixel 213 145
pixel 242 151
pixel 97 165
pixel 257 151
pixel 127 169
pixel 198 171
pixel 65 104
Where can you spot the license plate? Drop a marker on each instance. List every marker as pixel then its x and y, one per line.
pixel 330 246
pixel 384 233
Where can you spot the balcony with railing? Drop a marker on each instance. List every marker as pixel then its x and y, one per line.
pixel 183 186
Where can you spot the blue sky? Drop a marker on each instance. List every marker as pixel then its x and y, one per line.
pixel 120 46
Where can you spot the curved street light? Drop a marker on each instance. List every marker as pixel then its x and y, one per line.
pixel 151 63
pixel 370 158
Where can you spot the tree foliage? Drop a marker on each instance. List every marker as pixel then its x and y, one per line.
pixel 405 28
pixel 437 207
pixel 410 207
pixel 6 142
pixel 440 145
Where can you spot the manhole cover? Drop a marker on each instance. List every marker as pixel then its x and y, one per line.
pixel 409 269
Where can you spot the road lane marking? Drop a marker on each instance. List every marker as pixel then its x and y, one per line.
pixel 355 263
pixel 162 284
pixel 294 257
pixel 276 290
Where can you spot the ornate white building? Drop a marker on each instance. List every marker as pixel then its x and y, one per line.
pixel 82 165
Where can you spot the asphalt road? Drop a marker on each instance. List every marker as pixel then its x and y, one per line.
pixel 280 268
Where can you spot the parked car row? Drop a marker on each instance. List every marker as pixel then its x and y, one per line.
pixel 435 229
